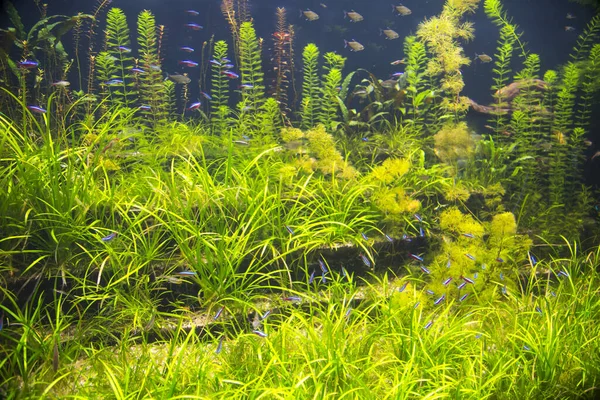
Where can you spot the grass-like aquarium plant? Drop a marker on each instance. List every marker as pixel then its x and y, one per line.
pixel 365 240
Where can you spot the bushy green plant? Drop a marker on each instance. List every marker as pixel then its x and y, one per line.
pixel 454 144
pixel 220 88
pixel 152 90
pixel 311 101
pixel 118 44
pixel 331 81
pixel 251 72
pixel 487 254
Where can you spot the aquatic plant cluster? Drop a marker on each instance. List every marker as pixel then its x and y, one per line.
pixel 298 230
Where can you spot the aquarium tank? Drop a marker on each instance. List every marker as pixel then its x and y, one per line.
pixel 311 199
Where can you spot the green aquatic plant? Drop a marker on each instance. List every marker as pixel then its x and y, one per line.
pixel 43 43
pixel 502 71
pixel 311 101
pixel 494 10
pixel 590 84
pixel 271 120
pixel 152 90
pixel 442 35
pixel 251 72
pixel 105 68
pixel 454 145
pixel 392 195
pixel 331 81
pixel 486 254
pixel 586 39
pixel 328 160
pixel 170 99
pixel 220 88
pixel 419 88
pixel 118 44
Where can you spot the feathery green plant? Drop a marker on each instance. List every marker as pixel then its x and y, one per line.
pixel 416 64
pixel 331 81
pixel 311 102
pixel 118 45
pixel 105 69
pixel 251 72
pixel 220 88
pixel 590 84
pixel 494 10
pixel 586 39
pixel 502 60
pixel 151 87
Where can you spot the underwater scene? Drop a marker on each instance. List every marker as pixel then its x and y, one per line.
pixel 310 199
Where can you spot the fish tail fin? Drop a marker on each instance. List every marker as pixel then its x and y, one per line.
pixel 345 13
pixel 380 31
pixel 345 43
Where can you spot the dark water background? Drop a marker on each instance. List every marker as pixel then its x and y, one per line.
pixel 542 21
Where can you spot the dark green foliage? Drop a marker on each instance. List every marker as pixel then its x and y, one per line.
pixel 151 87
pixel 311 102
pixel 220 88
pixel 251 68
pixel 590 83
pixel 117 35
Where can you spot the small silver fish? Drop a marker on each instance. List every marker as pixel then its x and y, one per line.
pixel 61 83
pixel 484 58
pixel 390 34
pixel 353 15
pixel 354 45
pixel 179 79
pixel 402 10
pixel 310 15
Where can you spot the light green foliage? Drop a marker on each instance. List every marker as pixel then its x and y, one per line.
pixel 454 143
pixel 117 34
pixel 332 80
pixel 170 98
pixel 494 10
pixel 220 88
pixel 105 69
pixel 587 39
pixel 489 244
pixel 151 87
pixel 391 196
pixel 321 145
pixel 311 102
pixel 442 35
pixel 251 68
pixel 271 120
